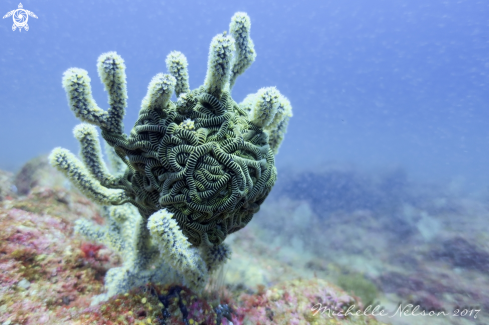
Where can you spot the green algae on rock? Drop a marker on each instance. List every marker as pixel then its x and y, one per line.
pixel 190 172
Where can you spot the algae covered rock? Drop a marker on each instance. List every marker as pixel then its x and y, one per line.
pixel 313 301
pixel 7 188
pixel 37 172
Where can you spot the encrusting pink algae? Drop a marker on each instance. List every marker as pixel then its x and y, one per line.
pixel 49 274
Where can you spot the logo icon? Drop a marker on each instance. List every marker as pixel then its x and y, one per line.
pixel 20 17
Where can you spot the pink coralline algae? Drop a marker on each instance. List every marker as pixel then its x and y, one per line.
pixel 49 275
pixel 312 301
pixel 43 271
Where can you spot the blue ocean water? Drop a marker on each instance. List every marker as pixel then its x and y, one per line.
pixel 377 84
pixel 391 125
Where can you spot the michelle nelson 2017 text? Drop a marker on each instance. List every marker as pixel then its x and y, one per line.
pixel 402 311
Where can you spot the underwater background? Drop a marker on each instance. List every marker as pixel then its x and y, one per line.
pixel 383 174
